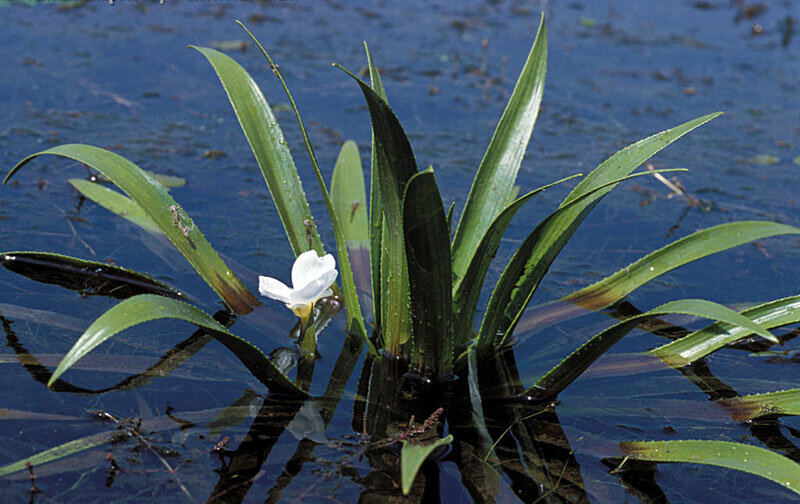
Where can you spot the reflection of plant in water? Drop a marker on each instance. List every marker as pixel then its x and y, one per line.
pixel 424 290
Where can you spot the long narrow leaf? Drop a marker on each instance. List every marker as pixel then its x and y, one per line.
pixel 396 165
pixel 270 150
pixel 427 242
pixel 412 456
pixel 687 249
pixel 467 288
pixel 376 217
pixel 498 170
pixel 89 278
pixel 162 209
pixel 116 203
pixel 355 320
pixel 350 196
pixel 770 404
pixel 533 264
pixel 147 307
pixel 626 160
pixel 559 377
pixel 525 270
pixel 741 457
pixel 700 343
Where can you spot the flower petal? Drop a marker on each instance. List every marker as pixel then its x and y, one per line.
pixel 274 289
pixel 309 266
pixel 315 289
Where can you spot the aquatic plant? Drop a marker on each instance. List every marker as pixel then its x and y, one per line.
pixel 424 287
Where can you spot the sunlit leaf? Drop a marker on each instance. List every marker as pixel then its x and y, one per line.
pixel 467 288
pixel 349 195
pixel 115 202
pixel 497 172
pixel 355 320
pixel 148 307
pixel 526 268
pixel 412 456
pixel 162 209
pixel 270 150
pixel 700 343
pixel 741 457
pixel 533 259
pixel 560 376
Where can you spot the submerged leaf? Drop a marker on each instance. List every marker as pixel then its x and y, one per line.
pixel 741 457
pixel 412 456
pixel 559 377
pixel 689 248
pixel 117 203
pixel 770 404
pixel 148 307
pixel 700 343
pixel 162 209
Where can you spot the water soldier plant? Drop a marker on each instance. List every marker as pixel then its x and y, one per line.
pixel 425 356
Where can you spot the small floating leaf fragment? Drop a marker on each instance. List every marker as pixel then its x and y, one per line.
pixel 764 160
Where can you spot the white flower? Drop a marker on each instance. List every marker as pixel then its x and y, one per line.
pixel 312 277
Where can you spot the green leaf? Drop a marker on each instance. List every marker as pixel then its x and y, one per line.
pixel 376 217
pixel 497 173
pixel 427 242
pixel 148 307
pixel 90 278
pixel 355 320
pixel 396 165
pixel 698 344
pixel 349 195
pixel 764 160
pixel 412 456
pixel 467 288
pixel 741 457
pixel 58 452
pixel 771 404
pixel 350 201
pixel 116 203
pixel 168 181
pixel 270 150
pixel 533 259
pixel 689 248
pixel 162 209
pixel 560 376
pixel 528 266
pixel 626 160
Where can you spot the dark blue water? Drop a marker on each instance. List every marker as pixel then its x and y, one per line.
pixel 122 77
